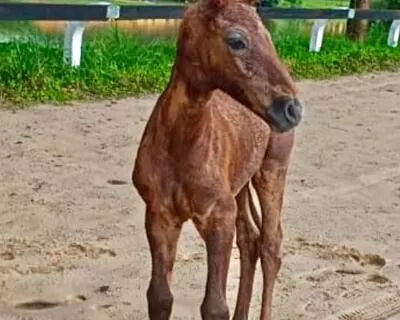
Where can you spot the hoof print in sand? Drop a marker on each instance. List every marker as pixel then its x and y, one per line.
pixel 340 253
pixel 37 305
pixel 373 260
pixel 91 251
pixel 103 289
pixel 351 270
pixel 378 278
pixel 341 262
pixel 43 304
pixel 116 182
pixel 48 257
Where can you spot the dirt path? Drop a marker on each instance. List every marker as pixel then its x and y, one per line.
pixel 72 242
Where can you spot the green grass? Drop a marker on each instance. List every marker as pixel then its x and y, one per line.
pixel 324 3
pixel 117 65
pixel 118 2
pixel 314 4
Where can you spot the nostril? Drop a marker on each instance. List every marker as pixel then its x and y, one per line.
pixel 285 113
pixel 291 111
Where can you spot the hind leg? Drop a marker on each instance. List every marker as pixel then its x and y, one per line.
pixel 269 184
pixel 163 230
pixel 247 237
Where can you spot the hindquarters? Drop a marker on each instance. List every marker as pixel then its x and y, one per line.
pixel 261 237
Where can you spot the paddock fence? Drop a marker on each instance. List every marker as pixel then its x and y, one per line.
pixel 77 15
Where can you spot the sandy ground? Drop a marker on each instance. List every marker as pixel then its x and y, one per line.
pixel 72 241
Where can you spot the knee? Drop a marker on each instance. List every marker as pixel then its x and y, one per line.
pixel 270 250
pixel 271 260
pixel 160 300
pixel 248 241
pixel 214 309
pixel 271 241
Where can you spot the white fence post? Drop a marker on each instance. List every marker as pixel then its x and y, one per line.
pixel 318 28
pixel 317 34
pixel 112 11
pixel 394 32
pixel 73 43
pixel 74 32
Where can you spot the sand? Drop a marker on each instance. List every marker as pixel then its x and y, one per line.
pixel 72 239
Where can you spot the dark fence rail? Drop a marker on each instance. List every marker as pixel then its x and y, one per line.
pixel 77 14
pixel 43 11
pixel 150 12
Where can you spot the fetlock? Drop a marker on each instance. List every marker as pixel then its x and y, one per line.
pixel 160 301
pixel 214 309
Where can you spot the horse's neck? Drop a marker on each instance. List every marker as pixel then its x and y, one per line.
pixel 180 109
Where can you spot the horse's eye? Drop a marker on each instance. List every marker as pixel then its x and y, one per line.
pixel 237 41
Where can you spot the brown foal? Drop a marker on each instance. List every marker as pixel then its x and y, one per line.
pixel 225 120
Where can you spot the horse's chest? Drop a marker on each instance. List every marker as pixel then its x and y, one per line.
pixel 153 177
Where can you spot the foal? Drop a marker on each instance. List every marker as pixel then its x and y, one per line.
pixel 226 118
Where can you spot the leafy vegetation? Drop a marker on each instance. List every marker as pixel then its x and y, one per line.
pixel 309 3
pixel 116 64
pixel 385 4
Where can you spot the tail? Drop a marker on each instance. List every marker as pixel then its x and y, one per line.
pixel 255 211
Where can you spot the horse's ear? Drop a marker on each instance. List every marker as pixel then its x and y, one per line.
pixel 223 3
pixel 217 3
pixel 252 2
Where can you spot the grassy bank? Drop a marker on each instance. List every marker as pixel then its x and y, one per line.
pixel 117 65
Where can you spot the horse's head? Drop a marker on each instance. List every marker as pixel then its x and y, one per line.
pixel 224 44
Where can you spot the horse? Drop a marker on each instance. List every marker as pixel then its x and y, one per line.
pixel 225 121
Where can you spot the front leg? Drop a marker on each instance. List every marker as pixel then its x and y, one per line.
pixel 163 230
pixel 269 184
pixel 217 229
